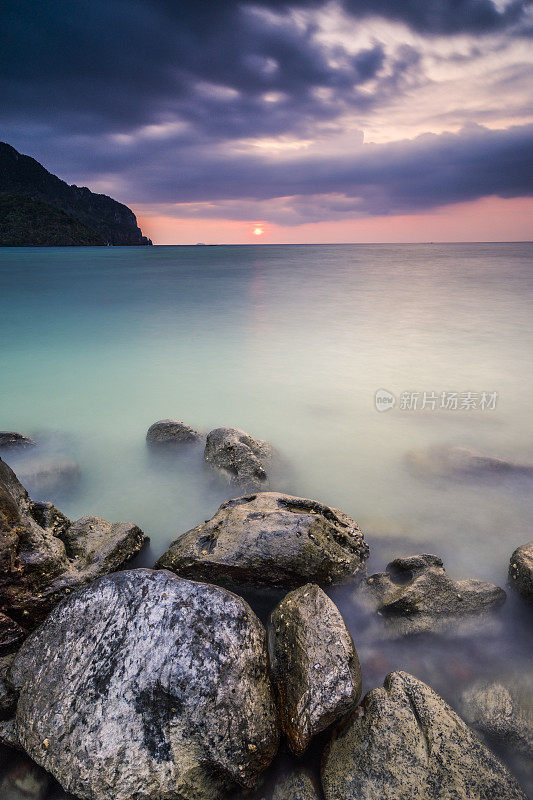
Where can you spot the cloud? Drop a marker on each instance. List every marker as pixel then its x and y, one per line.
pixel 233 103
pixel 98 65
pixel 394 178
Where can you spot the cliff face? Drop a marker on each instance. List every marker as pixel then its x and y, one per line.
pixel 99 218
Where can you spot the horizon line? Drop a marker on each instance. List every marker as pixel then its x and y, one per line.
pixel 322 244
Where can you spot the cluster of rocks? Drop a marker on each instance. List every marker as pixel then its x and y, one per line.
pixel 146 683
pixel 44 556
pixel 242 460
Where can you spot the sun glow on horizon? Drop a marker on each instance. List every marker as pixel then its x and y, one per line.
pixel 258 231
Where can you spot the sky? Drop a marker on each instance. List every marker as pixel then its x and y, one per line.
pixel 282 120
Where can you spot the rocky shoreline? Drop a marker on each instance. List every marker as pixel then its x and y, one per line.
pixel 152 684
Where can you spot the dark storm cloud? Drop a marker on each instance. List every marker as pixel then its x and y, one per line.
pixel 104 65
pixel 84 86
pixel 109 66
pixel 400 177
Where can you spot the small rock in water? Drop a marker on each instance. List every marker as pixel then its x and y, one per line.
pixel 416 595
pixel 314 664
pixel 147 685
pixel 502 710
pixel 10 440
pixel 270 540
pixel 458 463
pixel 521 570
pixel 242 459
pixel 409 743
pixel 171 431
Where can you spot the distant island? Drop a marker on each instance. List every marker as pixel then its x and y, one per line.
pixel 39 209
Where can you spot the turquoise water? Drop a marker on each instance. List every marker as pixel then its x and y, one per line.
pixel 289 343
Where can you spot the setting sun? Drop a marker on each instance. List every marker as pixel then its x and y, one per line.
pixel 258 231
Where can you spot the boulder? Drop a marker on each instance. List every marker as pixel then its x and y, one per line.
pixel 240 458
pixel 171 432
pixel 502 710
pixel 44 556
pixel 9 440
pixel 460 463
pixel 298 784
pixel 521 570
pixel 147 685
pixel 314 664
pixel 408 743
pixel 270 540
pixel 416 595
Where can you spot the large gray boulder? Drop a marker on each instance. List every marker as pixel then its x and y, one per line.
pixel 416 595
pixel 270 540
pixel 521 570
pixel 460 463
pixel 244 461
pixel 314 664
pixel 44 556
pixel 144 685
pixel 171 432
pixel 408 743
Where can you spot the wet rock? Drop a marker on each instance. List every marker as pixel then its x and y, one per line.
pixel 147 685
pixel 459 463
pixel 416 595
pixel 24 780
pixel 314 664
pixel 172 432
pixel 9 440
pixel 44 556
pixel 243 460
pixel 521 570
pixel 502 710
pixel 409 743
pixel 270 540
pixel 44 477
pixel 297 785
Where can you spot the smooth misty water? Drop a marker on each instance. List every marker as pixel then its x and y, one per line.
pixel 289 343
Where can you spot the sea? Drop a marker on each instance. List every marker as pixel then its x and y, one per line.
pixel 354 361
